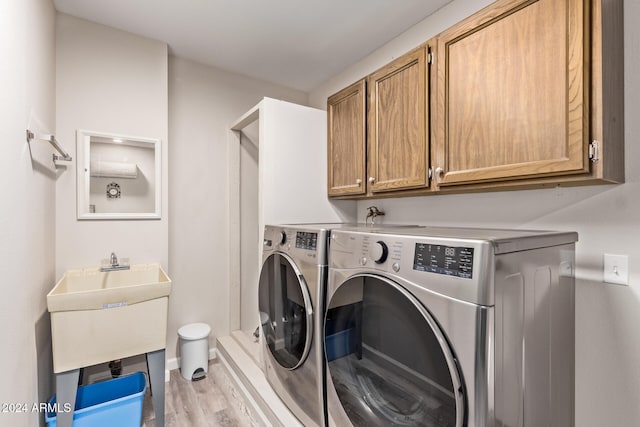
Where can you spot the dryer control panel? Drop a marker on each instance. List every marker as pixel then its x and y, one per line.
pixel 447 260
pixel 453 266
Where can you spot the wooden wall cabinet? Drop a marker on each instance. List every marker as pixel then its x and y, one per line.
pixel 397 122
pixel 513 93
pixel 518 87
pixel 378 125
pixel 526 94
pixel 346 141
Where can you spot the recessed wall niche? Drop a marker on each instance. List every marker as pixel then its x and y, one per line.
pixel 118 176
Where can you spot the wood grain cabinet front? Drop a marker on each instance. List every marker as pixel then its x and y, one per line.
pixel 346 141
pixel 397 121
pixel 517 98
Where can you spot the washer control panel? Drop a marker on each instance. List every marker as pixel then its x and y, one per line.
pixel 303 244
pixel 306 240
pixel 447 260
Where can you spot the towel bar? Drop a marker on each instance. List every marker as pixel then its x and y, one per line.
pixel 52 140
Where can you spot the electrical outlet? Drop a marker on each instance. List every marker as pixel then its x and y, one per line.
pixel 616 269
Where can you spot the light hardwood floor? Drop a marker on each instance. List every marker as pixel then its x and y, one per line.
pixel 212 401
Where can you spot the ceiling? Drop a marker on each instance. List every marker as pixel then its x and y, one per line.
pixel 295 43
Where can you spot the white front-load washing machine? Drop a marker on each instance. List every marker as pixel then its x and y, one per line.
pixel 291 303
pixel 447 327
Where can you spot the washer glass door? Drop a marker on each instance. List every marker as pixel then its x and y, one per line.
pixel 285 310
pixel 388 360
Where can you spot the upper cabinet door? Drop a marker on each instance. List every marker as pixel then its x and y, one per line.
pixel 346 120
pixel 398 147
pixel 513 93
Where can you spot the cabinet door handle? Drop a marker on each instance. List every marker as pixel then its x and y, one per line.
pixel 358 181
pixel 439 172
pixel 372 179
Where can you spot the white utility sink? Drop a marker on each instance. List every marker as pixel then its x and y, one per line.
pixel 92 289
pixel 101 316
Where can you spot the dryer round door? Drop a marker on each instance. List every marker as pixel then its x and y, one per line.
pixel 388 361
pixel 285 311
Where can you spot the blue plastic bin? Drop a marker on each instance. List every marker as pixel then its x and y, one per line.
pixel 339 344
pixel 116 402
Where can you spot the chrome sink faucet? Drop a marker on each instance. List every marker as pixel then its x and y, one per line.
pixel 114 259
pixel 113 264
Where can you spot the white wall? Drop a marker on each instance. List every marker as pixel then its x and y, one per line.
pixel 606 218
pixel 27 210
pixel 115 82
pixel 203 103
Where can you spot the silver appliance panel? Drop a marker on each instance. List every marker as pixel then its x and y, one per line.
pixel 299 384
pixel 511 323
pixel 359 250
pixel 305 244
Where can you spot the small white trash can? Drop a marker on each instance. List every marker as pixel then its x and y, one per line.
pixel 194 350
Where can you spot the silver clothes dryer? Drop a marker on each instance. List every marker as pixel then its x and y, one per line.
pixel 291 303
pixel 446 327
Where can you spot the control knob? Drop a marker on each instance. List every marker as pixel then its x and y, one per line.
pixel 283 237
pixel 379 252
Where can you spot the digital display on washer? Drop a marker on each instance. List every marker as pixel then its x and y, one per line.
pixel 306 240
pixel 447 260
